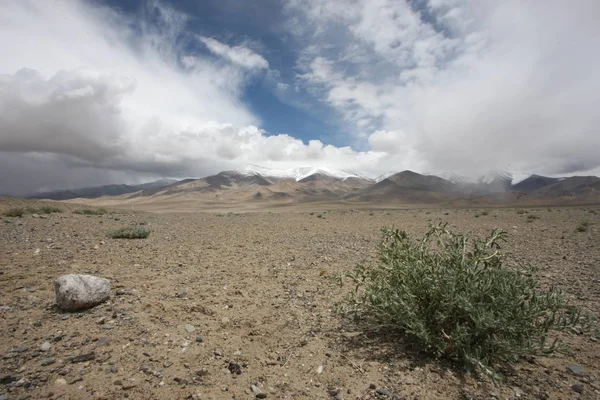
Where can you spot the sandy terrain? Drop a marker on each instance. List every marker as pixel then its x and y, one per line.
pixel 211 304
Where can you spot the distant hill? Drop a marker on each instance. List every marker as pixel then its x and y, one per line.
pixel 99 191
pixel 533 183
pixel 260 186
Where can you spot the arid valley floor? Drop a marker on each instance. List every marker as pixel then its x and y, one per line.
pixel 207 296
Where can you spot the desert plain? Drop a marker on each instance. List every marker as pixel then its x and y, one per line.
pixel 237 305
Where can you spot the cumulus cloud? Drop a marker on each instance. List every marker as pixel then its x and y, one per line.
pixel 239 55
pixel 90 96
pixel 473 85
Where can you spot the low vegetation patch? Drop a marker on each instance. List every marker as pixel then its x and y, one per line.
pixel 14 212
pixel 582 227
pixel 454 298
pixel 20 212
pixel 90 211
pixel 532 217
pixel 129 233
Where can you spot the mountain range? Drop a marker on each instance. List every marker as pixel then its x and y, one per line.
pixel 254 185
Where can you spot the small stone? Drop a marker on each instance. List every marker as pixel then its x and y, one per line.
pixel 261 396
pixel 189 328
pixel 105 341
pixel 320 369
pixel 575 369
pixel 113 369
pixel 224 388
pixel 219 353
pixel 129 384
pixel 577 388
pixel 20 349
pixel 256 390
pixel 167 363
pixel 4 397
pixel 383 392
pixel 60 382
pixel 199 339
pixel 234 368
pixel 45 346
pixel 47 362
pixel 83 358
pixel 372 386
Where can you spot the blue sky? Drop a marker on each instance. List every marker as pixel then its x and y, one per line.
pixel 255 24
pixel 95 92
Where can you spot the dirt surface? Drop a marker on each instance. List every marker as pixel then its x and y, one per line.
pixel 211 304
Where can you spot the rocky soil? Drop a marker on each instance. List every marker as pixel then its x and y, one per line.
pixel 240 306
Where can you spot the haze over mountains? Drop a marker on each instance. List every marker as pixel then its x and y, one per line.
pixel 254 186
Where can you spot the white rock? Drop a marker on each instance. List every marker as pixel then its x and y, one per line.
pixel 78 292
pixel 45 346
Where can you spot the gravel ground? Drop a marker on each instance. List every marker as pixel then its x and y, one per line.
pixel 240 306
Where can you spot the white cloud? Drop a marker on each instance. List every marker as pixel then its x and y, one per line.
pixel 89 96
pixel 239 55
pixel 475 85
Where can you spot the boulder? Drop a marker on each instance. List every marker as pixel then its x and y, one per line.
pixel 78 292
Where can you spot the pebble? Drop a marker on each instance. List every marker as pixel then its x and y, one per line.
pixel 20 349
pixel 219 353
pixel 577 387
pixel 189 328
pixel 60 382
pixel 4 397
pixel 320 369
pixel 46 346
pixel 575 369
pixel 47 362
pixel 83 358
pixel 234 368
pixel 105 341
pixel 372 385
pixel 129 385
pixel 257 392
pixel 199 339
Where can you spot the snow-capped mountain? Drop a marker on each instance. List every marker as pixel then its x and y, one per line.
pixel 384 176
pixel 298 173
pixel 452 177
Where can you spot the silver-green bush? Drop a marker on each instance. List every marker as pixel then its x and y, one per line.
pixel 455 299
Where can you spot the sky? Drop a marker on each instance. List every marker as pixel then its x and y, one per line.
pixel 95 92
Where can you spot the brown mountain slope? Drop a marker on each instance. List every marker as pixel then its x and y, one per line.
pixel 579 186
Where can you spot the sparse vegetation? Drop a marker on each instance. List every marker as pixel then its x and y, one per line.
pixel 14 212
pixel 485 213
pixel 20 212
pixel 456 300
pixel 582 227
pixel 532 217
pixel 90 211
pixel 46 210
pixel 129 233
pixel 520 212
